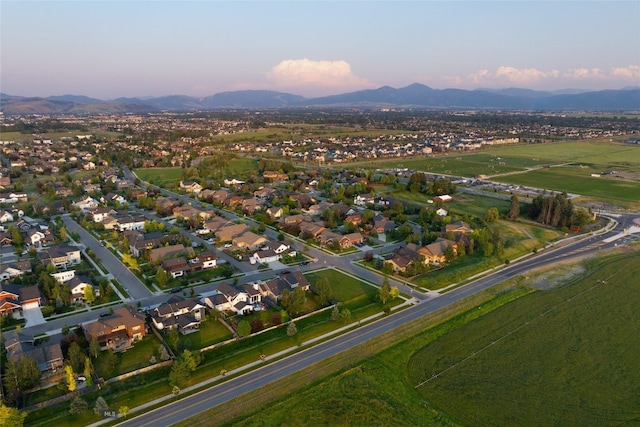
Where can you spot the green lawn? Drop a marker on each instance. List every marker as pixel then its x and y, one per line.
pixel 160 176
pixel 343 287
pixel 211 332
pixel 132 359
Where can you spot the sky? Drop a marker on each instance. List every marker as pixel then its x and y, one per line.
pixel 111 49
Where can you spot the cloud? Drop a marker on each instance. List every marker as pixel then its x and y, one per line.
pixel 524 75
pixel 529 77
pixel 315 75
pixel 630 72
pixel 584 73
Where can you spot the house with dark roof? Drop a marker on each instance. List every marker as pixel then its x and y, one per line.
pixel 401 257
pixel 13 298
pixel 48 356
pixel 178 312
pixel 62 256
pixel 240 301
pixel 273 289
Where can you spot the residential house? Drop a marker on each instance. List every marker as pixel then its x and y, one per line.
pixel 113 198
pixel 363 200
pixel 176 266
pixel 383 224
pixel 14 269
pixel 5 216
pixel 61 256
pixel 118 331
pixel 178 312
pixel 264 257
pixel 229 232
pixel 265 193
pixel 130 222
pixel 206 195
pixel 164 252
pixel 274 212
pixel 188 211
pixel 13 298
pixel 274 176
pixel 458 227
pixel 232 182
pixel 48 356
pixel 99 214
pixel 435 252
pixel 233 201
pixel 251 206
pixel 86 204
pixel 78 285
pixel 443 199
pixel 5 238
pixel 191 187
pixel 248 240
pixel 273 289
pixel 219 196
pixel 310 230
pixel 351 239
pixel 140 242
pixel 354 218
pixel 401 257
pixel 214 224
pixel 277 247
pixel 229 298
pixel 328 237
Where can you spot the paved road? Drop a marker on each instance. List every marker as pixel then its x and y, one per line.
pixel 133 285
pixel 278 370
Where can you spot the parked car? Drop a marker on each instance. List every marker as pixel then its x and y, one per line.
pixel 175 290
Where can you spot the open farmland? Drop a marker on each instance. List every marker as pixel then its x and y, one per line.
pixel 601 156
pixel 578 180
pixel 567 351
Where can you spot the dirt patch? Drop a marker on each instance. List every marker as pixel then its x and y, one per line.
pixel 559 274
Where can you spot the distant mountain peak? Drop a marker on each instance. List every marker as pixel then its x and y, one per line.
pixel 414 95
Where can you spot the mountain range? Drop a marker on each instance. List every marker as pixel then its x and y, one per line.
pixel 412 96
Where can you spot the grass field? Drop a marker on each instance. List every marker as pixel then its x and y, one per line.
pixel 559 358
pixel 160 176
pixel 561 350
pixel 491 161
pixel 240 167
pixel 578 180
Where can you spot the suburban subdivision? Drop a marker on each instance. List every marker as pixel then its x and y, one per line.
pixel 404 267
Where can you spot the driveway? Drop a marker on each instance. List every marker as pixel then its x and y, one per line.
pixel 33 315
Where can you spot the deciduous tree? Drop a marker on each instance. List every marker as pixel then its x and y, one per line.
pixel 69 378
pixel 383 292
pixel 324 291
pixel 243 329
pixel 11 417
